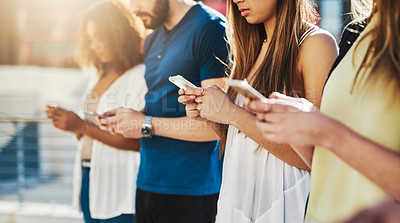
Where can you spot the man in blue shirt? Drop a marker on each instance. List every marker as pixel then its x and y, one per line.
pixel 180 172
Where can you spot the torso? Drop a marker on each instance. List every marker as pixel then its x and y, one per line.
pixel 90 104
pixel 342 191
pixel 258 187
pixel 188 49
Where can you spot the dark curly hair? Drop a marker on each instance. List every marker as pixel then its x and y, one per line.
pixel 122 31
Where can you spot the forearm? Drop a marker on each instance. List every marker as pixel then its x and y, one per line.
pixel 217 128
pixel 117 141
pixel 184 128
pixel 377 163
pixel 245 121
pixel 306 154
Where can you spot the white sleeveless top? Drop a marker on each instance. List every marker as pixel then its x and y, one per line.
pixel 256 186
pixel 113 171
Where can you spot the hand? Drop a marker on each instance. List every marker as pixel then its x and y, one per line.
pixel 284 123
pixel 64 119
pixel 212 104
pixel 127 122
pixel 184 98
pixel 191 105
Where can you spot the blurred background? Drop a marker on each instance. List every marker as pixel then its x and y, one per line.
pixel 38 66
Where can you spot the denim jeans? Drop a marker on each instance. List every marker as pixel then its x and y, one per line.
pixel 84 199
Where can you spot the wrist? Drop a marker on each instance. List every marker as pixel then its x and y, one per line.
pixel 82 125
pixel 236 115
pixel 332 134
pixel 147 127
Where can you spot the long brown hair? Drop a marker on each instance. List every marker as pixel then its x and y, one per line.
pixel 383 49
pixel 279 70
pixel 123 32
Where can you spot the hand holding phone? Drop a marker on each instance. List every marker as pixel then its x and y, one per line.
pixel 245 89
pixel 181 82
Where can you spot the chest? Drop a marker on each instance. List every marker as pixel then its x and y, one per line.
pixel 172 54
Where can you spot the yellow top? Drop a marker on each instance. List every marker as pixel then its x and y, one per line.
pixel 337 190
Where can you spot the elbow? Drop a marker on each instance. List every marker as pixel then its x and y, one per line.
pixel 132 145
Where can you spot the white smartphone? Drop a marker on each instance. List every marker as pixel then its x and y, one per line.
pixel 181 82
pixel 95 114
pixel 245 89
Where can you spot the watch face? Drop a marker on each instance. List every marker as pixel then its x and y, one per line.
pixel 147 132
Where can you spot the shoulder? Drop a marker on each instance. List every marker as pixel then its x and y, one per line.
pixel 319 39
pixel 209 20
pixel 318 47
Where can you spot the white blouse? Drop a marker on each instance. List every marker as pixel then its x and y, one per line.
pixel 113 171
pixel 258 187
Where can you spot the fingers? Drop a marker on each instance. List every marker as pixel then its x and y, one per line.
pixel 122 110
pixel 257 106
pixel 193 114
pixel 267 130
pixel 110 112
pixel 277 95
pixel 186 99
pixel 191 106
pixel 215 87
pixel 195 91
pixel 111 124
pixel 181 91
pixel 199 100
pixel 53 112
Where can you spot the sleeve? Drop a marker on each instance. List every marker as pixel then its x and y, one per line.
pixel 213 50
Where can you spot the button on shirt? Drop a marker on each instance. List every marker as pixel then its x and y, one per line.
pixel 190 49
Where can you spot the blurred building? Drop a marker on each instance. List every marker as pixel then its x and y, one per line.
pixel 40 32
pixel 43 32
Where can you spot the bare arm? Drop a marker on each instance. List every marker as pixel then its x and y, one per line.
pixel 317 55
pixel 185 128
pixel 117 141
pixel 69 121
pixel 246 123
pixel 306 129
pixel 128 122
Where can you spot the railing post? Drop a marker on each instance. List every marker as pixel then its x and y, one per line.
pixel 20 162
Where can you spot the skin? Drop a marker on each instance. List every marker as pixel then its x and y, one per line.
pixel 128 122
pixel 147 11
pixel 317 54
pixel 386 212
pixel 69 121
pixel 304 130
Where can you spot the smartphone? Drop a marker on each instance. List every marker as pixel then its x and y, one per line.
pixel 181 82
pixel 245 89
pixel 95 114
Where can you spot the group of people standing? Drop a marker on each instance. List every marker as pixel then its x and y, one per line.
pixel 209 154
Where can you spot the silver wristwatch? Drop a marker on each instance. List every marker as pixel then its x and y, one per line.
pixel 147 128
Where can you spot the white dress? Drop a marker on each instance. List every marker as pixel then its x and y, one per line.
pixel 113 172
pixel 256 186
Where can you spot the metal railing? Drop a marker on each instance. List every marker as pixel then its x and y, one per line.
pixel 36 163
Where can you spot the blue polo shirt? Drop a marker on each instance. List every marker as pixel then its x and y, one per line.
pixel 191 49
